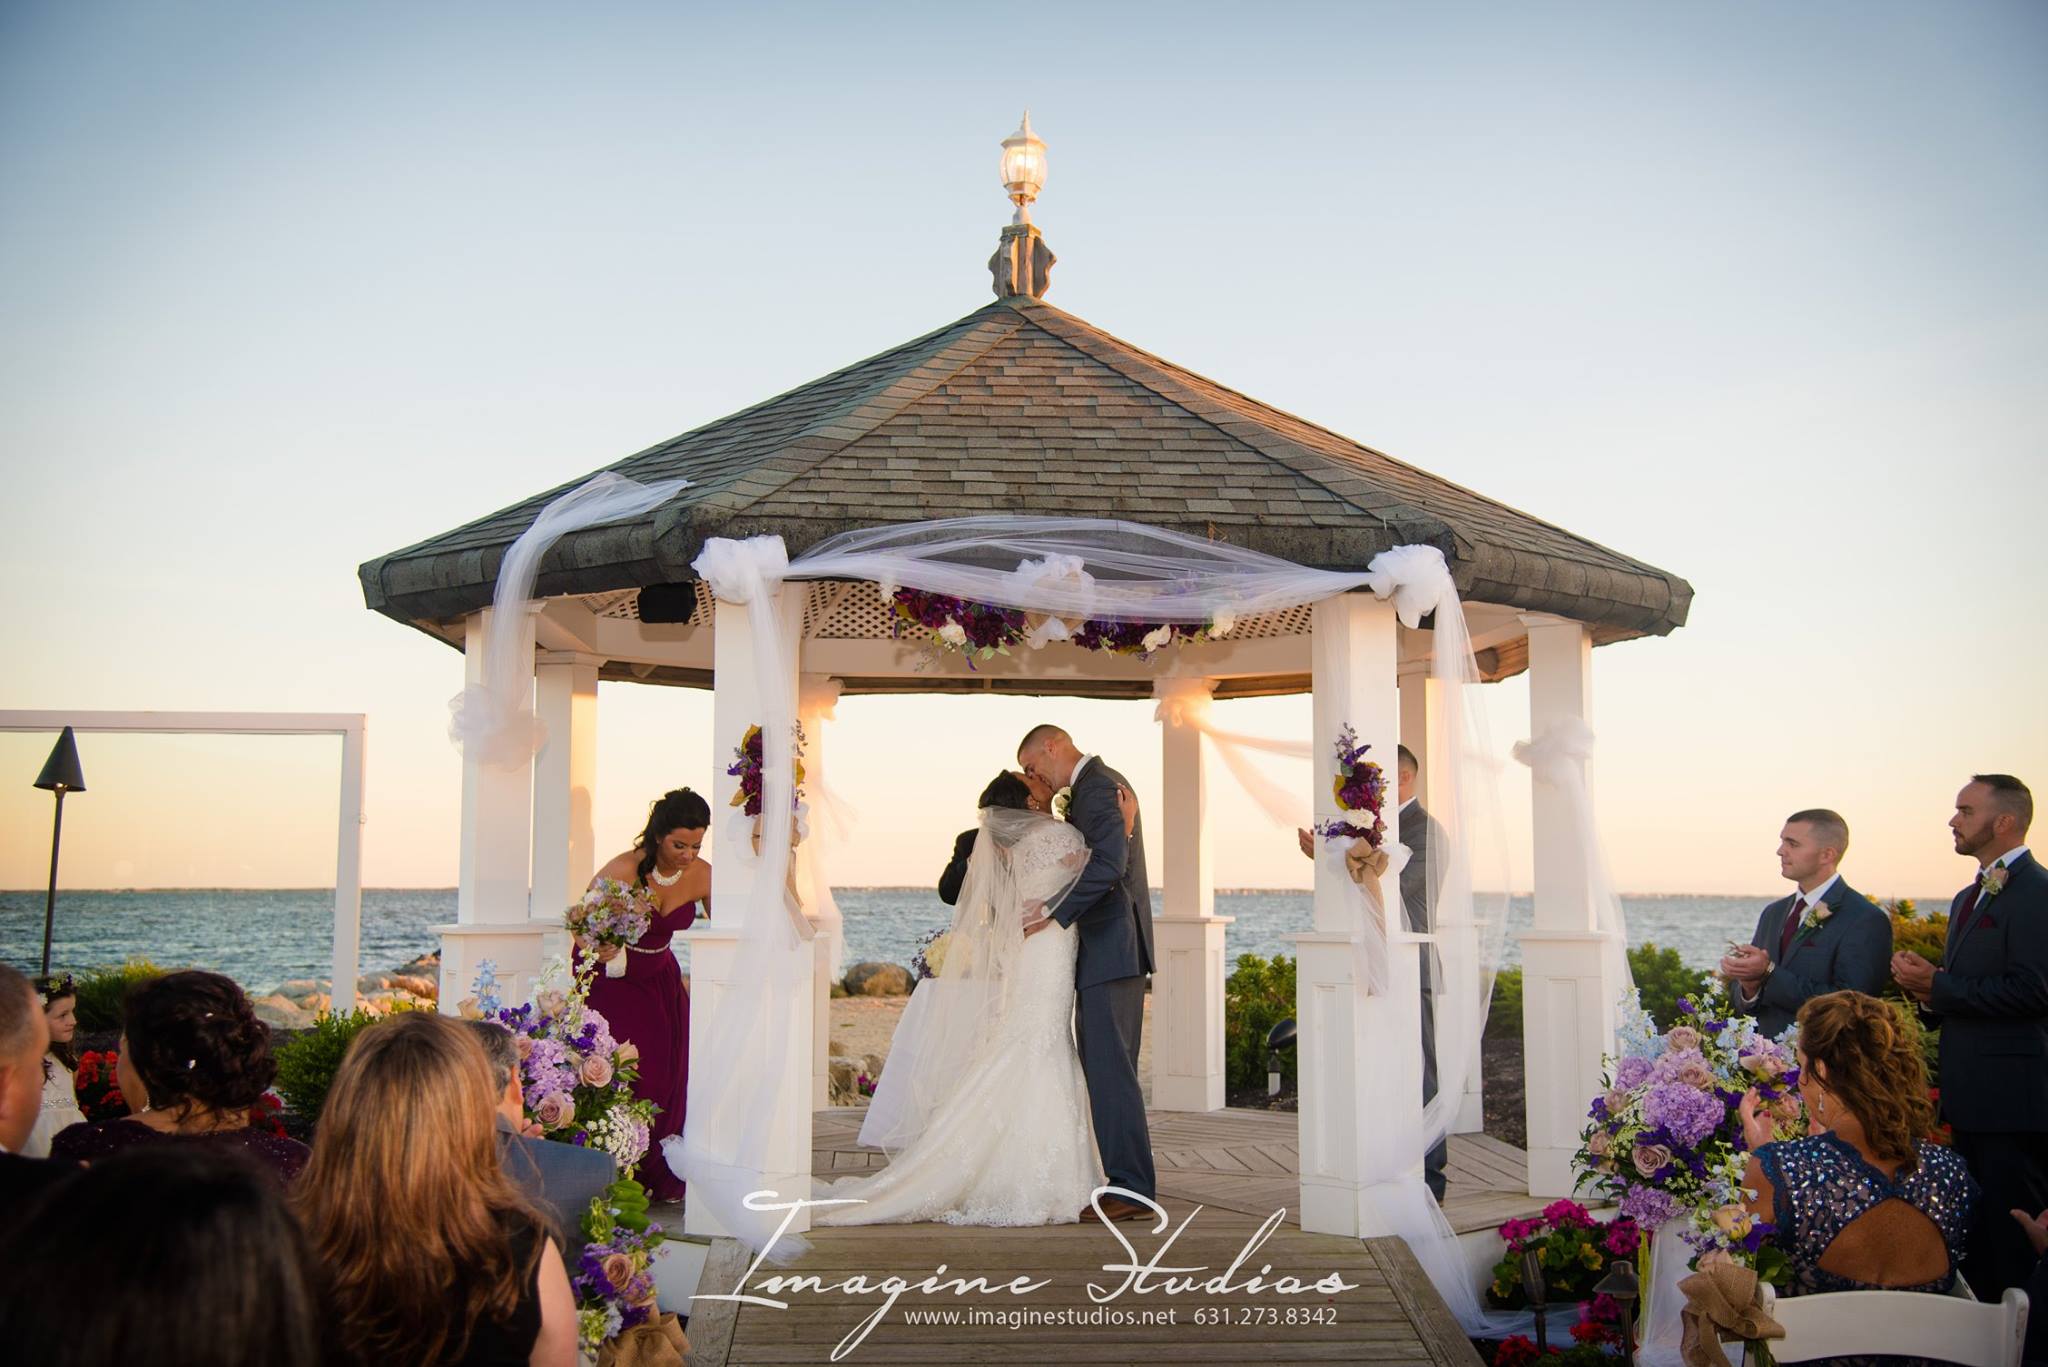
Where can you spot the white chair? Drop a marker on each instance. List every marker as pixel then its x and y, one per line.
pixel 1899 1324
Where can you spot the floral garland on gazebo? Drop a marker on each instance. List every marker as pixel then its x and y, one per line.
pixel 983 631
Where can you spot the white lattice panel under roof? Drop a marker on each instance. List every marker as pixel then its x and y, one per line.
pixel 838 611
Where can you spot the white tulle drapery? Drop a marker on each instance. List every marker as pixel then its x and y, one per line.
pixel 732 1118
pixel 829 823
pixel 1558 760
pixel 1188 703
pixel 493 719
pixel 1062 572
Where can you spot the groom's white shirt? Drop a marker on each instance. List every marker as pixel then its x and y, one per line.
pixel 1079 765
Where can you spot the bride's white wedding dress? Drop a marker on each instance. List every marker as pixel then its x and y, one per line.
pixel 1010 1144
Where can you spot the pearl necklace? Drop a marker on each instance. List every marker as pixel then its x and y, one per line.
pixel 668 882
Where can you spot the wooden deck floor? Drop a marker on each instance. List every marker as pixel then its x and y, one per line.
pixel 1239 1167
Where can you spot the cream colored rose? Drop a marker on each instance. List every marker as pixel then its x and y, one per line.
pixel 1617 1102
pixel 627 1052
pixel 953 634
pixel 1157 639
pixel 523 1046
pixel 1683 1037
pixel 596 1072
pixel 935 953
pixel 555 1111
pixel 1650 1157
pixel 1695 1073
pixel 1601 1144
pixel 1733 1221
pixel 618 1270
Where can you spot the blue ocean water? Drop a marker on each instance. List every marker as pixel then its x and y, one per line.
pixel 263 938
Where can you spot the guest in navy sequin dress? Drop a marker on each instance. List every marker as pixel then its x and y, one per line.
pixel 647 1004
pixel 1866 1201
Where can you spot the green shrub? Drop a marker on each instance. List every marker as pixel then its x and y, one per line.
pixel 307 1064
pixel 1913 933
pixel 1258 995
pixel 103 990
pixel 1504 1012
pixel 1661 978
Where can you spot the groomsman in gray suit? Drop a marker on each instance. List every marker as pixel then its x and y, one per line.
pixel 1825 937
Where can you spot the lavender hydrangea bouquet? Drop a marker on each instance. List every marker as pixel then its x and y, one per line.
pixel 1665 1142
pixel 578 1080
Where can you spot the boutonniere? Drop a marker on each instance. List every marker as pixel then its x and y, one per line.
pixel 1992 882
pixel 1062 800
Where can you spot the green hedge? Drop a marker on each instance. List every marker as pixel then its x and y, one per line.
pixel 1257 996
pixel 307 1064
pixel 102 991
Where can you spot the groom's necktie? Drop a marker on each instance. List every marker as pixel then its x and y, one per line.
pixel 1791 927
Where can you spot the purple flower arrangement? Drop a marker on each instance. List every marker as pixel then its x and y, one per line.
pixel 1145 638
pixel 980 631
pixel 1359 786
pixel 577 1079
pixel 1664 1140
pixel 746 766
pixel 613 1277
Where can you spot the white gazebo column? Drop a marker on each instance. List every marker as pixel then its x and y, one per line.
pixel 1570 991
pixel 785 1159
pixel 494 917
pixel 1422 723
pixel 1187 988
pixel 1360 1056
pixel 564 778
pixel 815 703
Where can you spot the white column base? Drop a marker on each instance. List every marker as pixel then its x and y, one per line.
pixel 1570 1006
pixel 1361 1077
pixel 518 948
pixel 1188 1072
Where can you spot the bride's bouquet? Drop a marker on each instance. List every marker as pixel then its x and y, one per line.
pixel 930 958
pixel 611 913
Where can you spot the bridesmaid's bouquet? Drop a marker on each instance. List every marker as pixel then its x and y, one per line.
pixel 612 913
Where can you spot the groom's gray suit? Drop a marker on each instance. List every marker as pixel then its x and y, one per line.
pixel 1111 908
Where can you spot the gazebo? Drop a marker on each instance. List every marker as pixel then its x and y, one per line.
pixel 1021 408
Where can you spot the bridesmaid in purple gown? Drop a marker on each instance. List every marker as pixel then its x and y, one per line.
pixel 648 1004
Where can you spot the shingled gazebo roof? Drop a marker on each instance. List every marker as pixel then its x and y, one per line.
pixel 1021 408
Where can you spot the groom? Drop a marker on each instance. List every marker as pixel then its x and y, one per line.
pixel 1111 906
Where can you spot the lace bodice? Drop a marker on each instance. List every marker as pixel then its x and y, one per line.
pixel 1823 1185
pixel 1047 860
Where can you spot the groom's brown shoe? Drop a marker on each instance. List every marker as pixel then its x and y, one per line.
pixel 1115 1209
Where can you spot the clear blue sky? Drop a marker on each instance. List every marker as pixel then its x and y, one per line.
pixel 1752 291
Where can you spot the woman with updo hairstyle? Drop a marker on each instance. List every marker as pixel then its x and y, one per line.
pixel 193 1059
pixel 639 991
pixel 1866 1200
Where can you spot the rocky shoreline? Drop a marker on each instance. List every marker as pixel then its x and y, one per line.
pixel 294 1004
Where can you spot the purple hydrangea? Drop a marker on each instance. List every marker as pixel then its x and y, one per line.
pixel 1689 1114
pixel 1631 1073
pixel 1648 1206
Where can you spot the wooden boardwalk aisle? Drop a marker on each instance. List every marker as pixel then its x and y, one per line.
pixel 1238 1166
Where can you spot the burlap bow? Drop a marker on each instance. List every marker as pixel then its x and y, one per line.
pixel 657 1343
pixel 1724 1301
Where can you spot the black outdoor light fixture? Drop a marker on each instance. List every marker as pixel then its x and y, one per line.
pixel 1538 1293
pixel 61 774
pixel 1620 1283
pixel 1279 1037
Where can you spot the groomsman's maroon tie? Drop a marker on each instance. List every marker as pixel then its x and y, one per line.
pixel 1968 911
pixel 1791 927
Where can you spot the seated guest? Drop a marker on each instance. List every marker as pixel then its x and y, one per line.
pixel 427 1253
pixel 1865 1201
pixel 1823 937
pixel 2035 1227
pixel 564 1178
pixel 60 1065
pixel 191 1258
pixel 196 1058
pixel 24 1037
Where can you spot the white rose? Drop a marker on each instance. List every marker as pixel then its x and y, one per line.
pixel 1224 623
pixel 1157 639
pixel 953 634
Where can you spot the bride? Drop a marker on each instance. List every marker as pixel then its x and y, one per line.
pixel 994 1114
